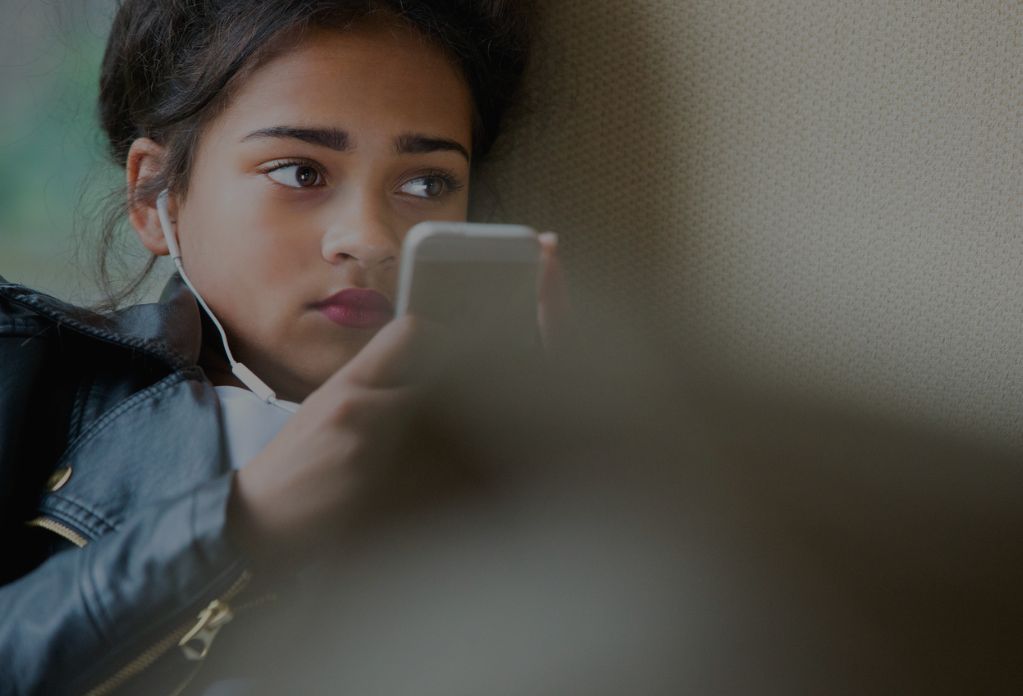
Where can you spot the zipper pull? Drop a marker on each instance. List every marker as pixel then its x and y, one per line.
pixel 196 643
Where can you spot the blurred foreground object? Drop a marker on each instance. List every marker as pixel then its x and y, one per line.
pixel 639 531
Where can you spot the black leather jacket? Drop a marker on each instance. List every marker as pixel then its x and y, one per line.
pixel 114 483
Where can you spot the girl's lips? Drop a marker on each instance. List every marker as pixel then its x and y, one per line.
pixel 357 308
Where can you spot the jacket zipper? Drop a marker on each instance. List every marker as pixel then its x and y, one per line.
pixel 61 530
pixel 194 638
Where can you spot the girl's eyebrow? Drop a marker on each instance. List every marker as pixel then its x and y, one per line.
pixel 417 143
pixel 334 138
pixel 337 139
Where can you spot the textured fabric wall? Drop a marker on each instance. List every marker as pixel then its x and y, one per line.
pixel 821 197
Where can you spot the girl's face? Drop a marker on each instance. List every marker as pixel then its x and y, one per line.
pixel 306 184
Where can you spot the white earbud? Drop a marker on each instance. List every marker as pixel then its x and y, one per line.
pixel 167 226
pixel 244 374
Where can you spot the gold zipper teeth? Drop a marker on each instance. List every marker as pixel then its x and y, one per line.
pixel 157 650
pixel 140 663
pixel 61 530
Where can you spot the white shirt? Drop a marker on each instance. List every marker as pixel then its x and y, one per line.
pixel 250 423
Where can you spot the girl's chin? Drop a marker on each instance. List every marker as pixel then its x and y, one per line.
pixel 314 372
pixel 306 367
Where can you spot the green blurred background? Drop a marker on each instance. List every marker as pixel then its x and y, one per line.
pixel 54 171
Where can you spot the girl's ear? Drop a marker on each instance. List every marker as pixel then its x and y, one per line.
pixel 145 160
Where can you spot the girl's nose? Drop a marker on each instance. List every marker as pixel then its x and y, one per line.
pixel 363 234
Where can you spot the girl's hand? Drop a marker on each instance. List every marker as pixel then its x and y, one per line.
pixel 334 466
pixel 554 309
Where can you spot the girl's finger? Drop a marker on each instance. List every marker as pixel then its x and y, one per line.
pixel 553 310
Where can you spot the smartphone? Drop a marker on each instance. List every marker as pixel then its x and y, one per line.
pixel 479 279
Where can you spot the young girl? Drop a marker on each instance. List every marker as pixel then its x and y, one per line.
pixel 151 464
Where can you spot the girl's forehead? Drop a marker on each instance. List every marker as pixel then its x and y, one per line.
pixel 373 77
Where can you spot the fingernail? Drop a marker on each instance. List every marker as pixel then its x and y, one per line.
pixel 550 238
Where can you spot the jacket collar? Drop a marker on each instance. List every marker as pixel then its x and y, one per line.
pixel 169 330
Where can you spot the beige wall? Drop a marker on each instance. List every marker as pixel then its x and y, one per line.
pixel 819 197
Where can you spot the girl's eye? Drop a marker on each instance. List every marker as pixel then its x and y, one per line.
pixel 431 186
pixel 296 175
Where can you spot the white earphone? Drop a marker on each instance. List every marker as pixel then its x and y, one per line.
pixel 244 374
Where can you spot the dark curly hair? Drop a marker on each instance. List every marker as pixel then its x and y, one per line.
pixel 170 66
